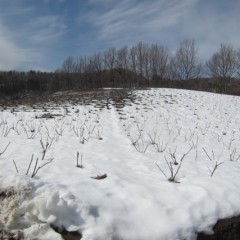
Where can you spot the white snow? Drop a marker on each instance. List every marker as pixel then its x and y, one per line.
pixel 136 200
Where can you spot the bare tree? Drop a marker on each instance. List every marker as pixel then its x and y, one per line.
pixel 223 64
pixel 80 65
pixel 122 63
pixel 159 58
pixel 146 65
pixel 110 63
pixel 110 58
pixel 185 65
pixel 68 65
pixel 122 58
pixel 97 67
pixel 142 58
pixel 96 62
pixel 133 61
pixel 238 63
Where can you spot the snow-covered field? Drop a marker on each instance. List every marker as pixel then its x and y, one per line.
pixel 170 158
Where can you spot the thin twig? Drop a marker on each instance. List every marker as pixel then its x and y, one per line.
pixel 215 167
pixel 15 166
pixel 42 167
pixel 34 170
pixel 29 165
pixel 4 149
pixel 207 154
pixel 161 170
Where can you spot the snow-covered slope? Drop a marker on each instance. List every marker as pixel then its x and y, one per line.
pixel 193 134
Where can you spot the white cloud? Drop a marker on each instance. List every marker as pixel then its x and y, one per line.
pixel 129 18
pixel 59 1
pixel 213 25
pixel 12 56
pixel 26 43
pixel 45 29
pixel 166 22
pixel 13 8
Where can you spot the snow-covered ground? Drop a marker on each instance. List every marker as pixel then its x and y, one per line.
pixel 195 135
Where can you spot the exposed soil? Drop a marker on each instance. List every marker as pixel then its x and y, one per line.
pixel 66 235
pixel 100 98
pixel 8 202
pixel 225 229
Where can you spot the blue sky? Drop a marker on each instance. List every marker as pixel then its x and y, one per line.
pixel 40 34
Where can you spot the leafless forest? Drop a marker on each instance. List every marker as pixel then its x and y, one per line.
pixel 139 66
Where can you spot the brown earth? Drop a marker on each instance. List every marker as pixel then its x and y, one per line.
pixel 225 229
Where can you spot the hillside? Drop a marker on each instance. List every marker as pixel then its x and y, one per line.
pixel 148 164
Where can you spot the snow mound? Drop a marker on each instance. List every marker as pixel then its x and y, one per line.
pixel 34 209
pixel 138 147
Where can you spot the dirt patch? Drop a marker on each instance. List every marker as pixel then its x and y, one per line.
pixel 9 202
pixel 225 229
pixel 11 235
pixel 101 98
pixel 66 235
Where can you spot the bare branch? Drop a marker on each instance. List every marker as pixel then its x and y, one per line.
pixel 1 153
pixel 161 170
pixel 15 166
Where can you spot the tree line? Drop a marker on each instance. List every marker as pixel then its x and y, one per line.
pixel 141 65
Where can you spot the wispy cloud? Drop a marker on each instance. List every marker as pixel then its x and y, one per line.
pixel 13 8
pixel 45 28
pixel 125 18
pixel 212 24
pixel 27 34
pixel 59 1
pixel 41 34
pixel 166 22
pixel 13 56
